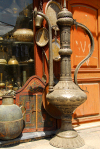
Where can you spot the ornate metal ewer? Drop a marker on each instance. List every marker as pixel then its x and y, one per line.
pixel 66 95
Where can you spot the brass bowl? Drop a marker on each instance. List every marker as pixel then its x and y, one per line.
pixel 1 38
pixel 10 87
pixel 25 35
pixel 13 61
pixel 3 61
pixel 30 60
pixel 2 85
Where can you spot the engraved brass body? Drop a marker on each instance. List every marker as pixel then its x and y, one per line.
pixel 23 34
pixel 66 95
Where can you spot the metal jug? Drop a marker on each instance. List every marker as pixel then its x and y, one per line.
pixel 11 119
pixel 66 95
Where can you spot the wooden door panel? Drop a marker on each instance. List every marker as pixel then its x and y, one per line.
pixel 91 105
pixel 80 43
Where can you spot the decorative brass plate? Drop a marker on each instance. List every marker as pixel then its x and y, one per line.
pixel 42 37
pixel 51 11
pixel 55 49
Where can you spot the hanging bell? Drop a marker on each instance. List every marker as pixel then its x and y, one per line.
pixel 38 21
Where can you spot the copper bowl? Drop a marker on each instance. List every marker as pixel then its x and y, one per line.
pixel 25 35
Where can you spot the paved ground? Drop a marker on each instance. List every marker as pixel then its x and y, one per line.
pixel 91 137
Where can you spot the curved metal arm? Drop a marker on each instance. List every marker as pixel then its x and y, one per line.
pixel 35 13
pixel 90 53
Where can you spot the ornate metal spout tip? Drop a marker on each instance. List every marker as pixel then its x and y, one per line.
pixel 35 12
pixel 68 143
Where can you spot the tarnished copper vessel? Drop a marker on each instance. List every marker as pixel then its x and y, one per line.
pixel 11 119
pixel 24 34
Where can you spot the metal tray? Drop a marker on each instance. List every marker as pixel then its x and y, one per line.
pixel 55 49
pixel 51 11
pixel 42 37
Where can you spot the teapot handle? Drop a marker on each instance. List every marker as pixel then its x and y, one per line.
pixel 90 53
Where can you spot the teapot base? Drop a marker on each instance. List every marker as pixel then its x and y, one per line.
pixel 67 143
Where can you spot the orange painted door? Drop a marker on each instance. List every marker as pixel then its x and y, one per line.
pixel 87 13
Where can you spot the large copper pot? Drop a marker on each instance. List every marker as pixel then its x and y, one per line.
pixel 11 119
pixel 24 34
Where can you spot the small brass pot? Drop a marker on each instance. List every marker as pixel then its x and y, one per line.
pixel 24 34
pixel 10 87
pixel 13 61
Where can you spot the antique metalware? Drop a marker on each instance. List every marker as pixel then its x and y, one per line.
pixel 2 84
pixel 42 37
pixel 51 11
pixel 44 77
pixel 23 34
pixel 1 39
pixel 55 49
pixel 30 60
pixel 10 87
pixel 38 21
pixel 3 61
pixel 11 119
pixel 13 61
pixel 66 95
